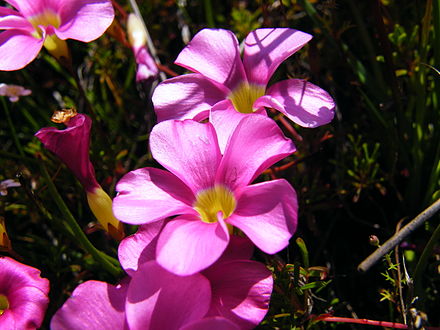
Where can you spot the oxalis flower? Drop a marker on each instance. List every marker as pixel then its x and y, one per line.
pixel 71 145
pixel 210 191
pixel 38 23
pixel 23 296
pixel 234 293
pixel 230 85
pixel 13 91
pixel 147 69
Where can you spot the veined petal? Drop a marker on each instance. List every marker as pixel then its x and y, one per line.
pixel 17 49
pixel 149 194
pixel 96 15
pixel 266 49
pixel 212 323
pixel 241 291
pixel 188 149
pixel 190 96
pixel 158 299
pixel 93 305
pixel 256 143
pixel 188 245
pixel 139 247
pixel 267 213
pixel 214 53
pixel 302 102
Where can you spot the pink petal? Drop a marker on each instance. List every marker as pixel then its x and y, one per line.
pixel 239 248
pixel 211 323
pixel 96 15
pixel 147 68
pixel 188 245
pixel 190 96
pixel 241 291
pixel 188 149
pixel 27 295
pixel 17 49
pixel 266 49
pixel 94 305
pixel 158 299
pixel 139 247
pixel 71 145
pixel 30 7
pixel 214 53
pixel 149 194
pixel 10 19
pixel 225 119
pixel 256 143
pixel 267 213
pixel 304 103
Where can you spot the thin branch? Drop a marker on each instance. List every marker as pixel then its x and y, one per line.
pixel 399 236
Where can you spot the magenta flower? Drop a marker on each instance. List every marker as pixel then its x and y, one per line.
pixel 226 83
pixel 38 23
pixel 147 69
pixel 154 298
pixel 231 294
pixel 23 296
pixel 210 191
pixel 71 145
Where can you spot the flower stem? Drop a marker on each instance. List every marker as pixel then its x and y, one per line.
pixel 109 263
pixel 12 128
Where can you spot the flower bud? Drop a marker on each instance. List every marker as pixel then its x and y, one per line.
pixel 101 205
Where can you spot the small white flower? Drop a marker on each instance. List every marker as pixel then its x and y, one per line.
pixel 13 91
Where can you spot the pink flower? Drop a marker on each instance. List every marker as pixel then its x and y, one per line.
pixel 13 92
pixel 147 68
pixel 227 84
pixel 38 23
pixel 210 191
pixel 231 294
pixel 71 145
pixel 23 296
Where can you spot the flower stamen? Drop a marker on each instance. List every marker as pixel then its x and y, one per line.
pixel 213 200
pixel 244 96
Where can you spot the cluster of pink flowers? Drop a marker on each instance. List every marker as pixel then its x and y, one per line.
pixel 189 265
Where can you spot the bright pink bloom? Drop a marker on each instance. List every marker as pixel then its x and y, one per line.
pixel 45 22
pixel 71 145
pixel 231 294
pixel 210 191
pixel 23 296
pixel 226 83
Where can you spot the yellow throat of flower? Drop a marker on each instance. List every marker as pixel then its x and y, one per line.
pixel 244 96
pixel 4 303
pixel 213 200
pixel 55 46
pixel 46 18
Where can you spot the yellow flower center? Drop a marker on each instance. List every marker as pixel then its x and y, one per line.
pixel 46 18
pixel 213 200
pixel 244 96
pixel 4 303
